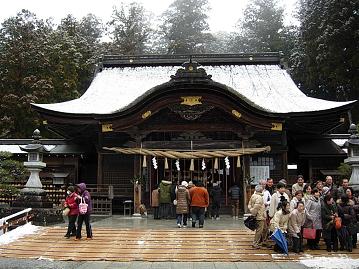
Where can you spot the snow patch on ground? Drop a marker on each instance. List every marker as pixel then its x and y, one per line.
pixel 19 232
pixel 342 262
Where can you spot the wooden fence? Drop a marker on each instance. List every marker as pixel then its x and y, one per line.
pixel 15 219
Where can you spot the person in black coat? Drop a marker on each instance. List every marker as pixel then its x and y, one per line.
pixel 347 213
pixel 235 193
pixel 215 195
pixel 329 212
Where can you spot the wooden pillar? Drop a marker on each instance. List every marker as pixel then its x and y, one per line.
pixel 246 174
pixel 285 165
pixel 99 168
pixel 100 157
pixel 310 172
pixel 285 155
pixel 137 169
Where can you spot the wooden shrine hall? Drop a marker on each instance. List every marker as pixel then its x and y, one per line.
pixel 232 118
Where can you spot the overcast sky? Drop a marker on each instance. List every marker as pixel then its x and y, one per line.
pixel 223 15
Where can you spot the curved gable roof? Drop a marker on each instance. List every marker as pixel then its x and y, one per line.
pixel 267 87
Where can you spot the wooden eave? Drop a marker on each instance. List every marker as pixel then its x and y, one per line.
pixel 178 59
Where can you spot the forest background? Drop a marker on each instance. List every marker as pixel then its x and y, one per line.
pixel 44 62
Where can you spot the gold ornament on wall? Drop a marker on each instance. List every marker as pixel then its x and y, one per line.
pixel 191 100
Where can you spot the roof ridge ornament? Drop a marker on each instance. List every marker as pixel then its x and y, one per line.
pixel 191 71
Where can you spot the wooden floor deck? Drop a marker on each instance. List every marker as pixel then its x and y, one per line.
pixel 149 245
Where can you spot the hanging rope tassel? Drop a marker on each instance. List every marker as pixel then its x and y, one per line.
pixel 238 161
pixel 144 163
pixel 215 166
pixel 166 164
pixel 191 167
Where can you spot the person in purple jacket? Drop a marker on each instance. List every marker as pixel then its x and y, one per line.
pixel 81 191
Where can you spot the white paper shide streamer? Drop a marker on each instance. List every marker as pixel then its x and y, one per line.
pixel 154 162
pixel 226 160
pixel 178 165
pixel 203 165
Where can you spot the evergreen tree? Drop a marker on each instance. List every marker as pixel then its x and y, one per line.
pixel 326 60
pixel 184 27
pixel 10 171
pixel 40 65
pixel 80 42
pixel 130 28
pixel 22 67
pixel 221 43
pixel 262 29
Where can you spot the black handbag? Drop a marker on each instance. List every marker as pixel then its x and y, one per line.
pixel 353 228
pixel 251 223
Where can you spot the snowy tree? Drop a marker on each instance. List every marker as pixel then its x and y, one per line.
pixel 40 64
pixel 22 65
pixel 262 29
pixel 326 60
pixel 80 43
pixel 184 27
pixel 130 28
pixel 221 43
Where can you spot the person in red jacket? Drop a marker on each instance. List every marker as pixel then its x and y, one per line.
pixel 199 203
pixel 71 203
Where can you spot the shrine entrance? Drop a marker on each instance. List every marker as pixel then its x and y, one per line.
pixel 227 169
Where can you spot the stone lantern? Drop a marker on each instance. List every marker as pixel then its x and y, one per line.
pixel 34 164
pixel 353 157
pixel 33 195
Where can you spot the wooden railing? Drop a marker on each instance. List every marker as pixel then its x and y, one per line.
pixel 15 219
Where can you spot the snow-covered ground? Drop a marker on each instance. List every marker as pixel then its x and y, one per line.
pixel 18 233
pixel 340 262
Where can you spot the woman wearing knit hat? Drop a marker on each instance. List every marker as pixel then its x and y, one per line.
pixel 182 206
pixel 71 203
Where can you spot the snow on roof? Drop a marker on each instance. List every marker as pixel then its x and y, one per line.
pixel 53 149
pixel 340 142
pixel 269 87
pixel 15 149
pixel 19 232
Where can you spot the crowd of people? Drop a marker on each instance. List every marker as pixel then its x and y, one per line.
pixel 78 207
pixel 308 211
pixel 187 199
pixel 190 200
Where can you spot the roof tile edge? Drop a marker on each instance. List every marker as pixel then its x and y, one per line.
pixel 178 59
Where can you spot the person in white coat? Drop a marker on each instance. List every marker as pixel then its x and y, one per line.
pixel 257 208
pixel 296 221
pixel 296 198
pixel 279 196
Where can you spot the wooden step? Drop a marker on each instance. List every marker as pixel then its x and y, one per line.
pixel 111 244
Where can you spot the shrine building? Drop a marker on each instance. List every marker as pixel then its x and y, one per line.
pixel 232 118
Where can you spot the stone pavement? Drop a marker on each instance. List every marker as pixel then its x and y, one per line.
pixel 45 264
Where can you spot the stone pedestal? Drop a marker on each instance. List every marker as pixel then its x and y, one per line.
pixel 354 178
